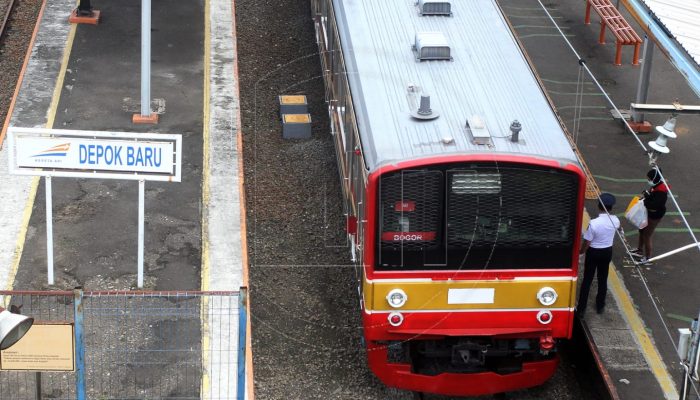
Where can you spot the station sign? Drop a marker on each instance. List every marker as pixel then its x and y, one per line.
pixel 95 154
pixel 45 347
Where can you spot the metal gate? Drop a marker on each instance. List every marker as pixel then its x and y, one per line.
pixel 137 345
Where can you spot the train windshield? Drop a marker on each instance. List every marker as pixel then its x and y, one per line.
pixel 477 216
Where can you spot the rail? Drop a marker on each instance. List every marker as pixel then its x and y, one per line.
pixel 6 17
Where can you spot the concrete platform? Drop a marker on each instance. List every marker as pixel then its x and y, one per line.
pixel 637 334
pixel 86 77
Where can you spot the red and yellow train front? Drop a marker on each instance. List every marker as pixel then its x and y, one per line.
pixel 470 272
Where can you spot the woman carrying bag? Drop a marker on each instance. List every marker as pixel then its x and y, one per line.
pixel 655 202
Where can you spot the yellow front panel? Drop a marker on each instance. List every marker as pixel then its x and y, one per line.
pixel 433 295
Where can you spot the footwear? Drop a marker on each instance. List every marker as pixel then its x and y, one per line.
pixel 636 253
pixel 645 261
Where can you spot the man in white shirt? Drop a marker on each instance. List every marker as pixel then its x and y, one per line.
pixel 597 245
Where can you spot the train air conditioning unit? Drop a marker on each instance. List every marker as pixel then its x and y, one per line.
pixel 431 46
pixel 435 7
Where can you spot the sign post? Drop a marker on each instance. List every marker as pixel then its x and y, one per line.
pixel 94 154
pixel 49 230
pixel 140 253
pixel 146 58
pixel 146 116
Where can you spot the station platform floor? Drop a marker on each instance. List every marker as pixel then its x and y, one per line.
pixel 87 77
pixel 636 336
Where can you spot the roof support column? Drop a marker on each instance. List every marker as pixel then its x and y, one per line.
pixel 644 76
pixel 146 116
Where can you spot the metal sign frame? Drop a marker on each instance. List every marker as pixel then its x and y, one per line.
pixel 99 138
pixel 15 135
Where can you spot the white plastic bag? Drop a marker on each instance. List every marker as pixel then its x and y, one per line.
pixel 636 213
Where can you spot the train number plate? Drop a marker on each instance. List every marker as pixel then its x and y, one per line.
pixel 470 296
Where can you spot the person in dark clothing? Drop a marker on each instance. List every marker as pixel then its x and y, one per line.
pixel 597 246
pixel 655 202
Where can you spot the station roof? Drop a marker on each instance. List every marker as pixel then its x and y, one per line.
pixel 673 24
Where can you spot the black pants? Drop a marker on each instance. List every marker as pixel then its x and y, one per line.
pixel 596 260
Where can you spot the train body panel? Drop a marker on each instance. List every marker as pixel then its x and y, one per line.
pixel 464 295
pixel 487 79
pixel 463 222
pixel 457 384
pixel 471 322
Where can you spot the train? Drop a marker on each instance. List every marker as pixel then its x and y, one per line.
pixel 463 193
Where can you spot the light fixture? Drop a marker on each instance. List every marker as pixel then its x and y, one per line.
pixel 547 296
pixel 665 132
pixel 544 317
pixel 395 318
pixel 396 298
pixel 473 182
pixel 12 327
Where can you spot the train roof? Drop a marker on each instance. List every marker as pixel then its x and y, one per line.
pixel 487 82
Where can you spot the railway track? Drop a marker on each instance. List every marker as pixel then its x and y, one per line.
pixel 17 21
pixel 304 308
pixel 10 4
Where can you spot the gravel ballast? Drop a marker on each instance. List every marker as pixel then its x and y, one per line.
pixel 13 47
pixel 305 312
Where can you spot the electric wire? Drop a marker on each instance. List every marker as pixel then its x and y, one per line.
pixel 619 233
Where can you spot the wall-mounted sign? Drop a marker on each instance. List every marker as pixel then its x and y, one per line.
pixel 47 347
pixel 92 154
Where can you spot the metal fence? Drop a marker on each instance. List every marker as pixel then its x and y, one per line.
pixel 137 345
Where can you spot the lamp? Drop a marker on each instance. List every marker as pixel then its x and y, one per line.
pixel 666 131
pixel 12 327
pixel 658 146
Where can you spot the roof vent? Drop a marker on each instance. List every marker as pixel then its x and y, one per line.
pixel 424 112
pixel 431 46
pixel 478 130
pixel 515 128
pixel 435 7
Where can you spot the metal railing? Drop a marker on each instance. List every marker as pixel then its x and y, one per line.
pixel 137 345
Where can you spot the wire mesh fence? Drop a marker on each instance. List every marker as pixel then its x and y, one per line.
pixel 136 345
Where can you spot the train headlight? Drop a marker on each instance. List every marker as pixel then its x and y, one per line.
pixel 396 298
pixel 395 318
pixel 547 296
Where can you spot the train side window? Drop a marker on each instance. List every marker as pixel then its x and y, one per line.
pixel 349 126
pixel 324 22
pixel 332 47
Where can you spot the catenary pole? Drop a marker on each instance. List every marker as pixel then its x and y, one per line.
pixel 146 58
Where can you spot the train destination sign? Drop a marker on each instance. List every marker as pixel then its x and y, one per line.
pixel 116 155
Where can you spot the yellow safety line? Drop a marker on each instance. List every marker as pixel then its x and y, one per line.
pixel 205 152
pixel 61 77
pixel 250 384
pixel 27 213
pixel 19 245
pixel 205 385
pixel 651 354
